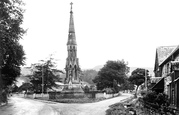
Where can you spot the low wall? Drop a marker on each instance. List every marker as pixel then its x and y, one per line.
pixel 61 95
pixel 104 95
pixel 69 95
pixel 41 96
pixel 33 96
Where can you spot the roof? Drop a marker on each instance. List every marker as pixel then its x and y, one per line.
pixel 155 79
pixel 159 86
pixel 174 51
pixel 163 52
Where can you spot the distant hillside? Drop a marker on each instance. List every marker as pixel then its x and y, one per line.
pixel 98 67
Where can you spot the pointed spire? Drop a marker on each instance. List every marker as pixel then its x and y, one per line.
pixel 71 26
pixel 71 7
pixel 71 36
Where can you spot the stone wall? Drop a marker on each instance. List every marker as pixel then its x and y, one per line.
pixel 70 95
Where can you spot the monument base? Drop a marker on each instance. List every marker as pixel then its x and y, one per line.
pixel 76 88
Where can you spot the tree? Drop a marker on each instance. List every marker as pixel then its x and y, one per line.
pixel 46 70
pixel 11 52
pixel 127 85
pixel 25 87
pixel 14 88
pixel 89 75
pixel 112 70
pixel 138 77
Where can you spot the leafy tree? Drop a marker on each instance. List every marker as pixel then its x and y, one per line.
pixel 48 70
pixel 25 87
pixel 127 85
pixel 112 70
pixel 11 52
pixel 138 77
pixel 14 88
pixel 89 75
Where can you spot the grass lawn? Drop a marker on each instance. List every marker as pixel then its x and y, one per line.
pixel 83 100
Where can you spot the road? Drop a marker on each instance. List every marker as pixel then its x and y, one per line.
pixel 22 106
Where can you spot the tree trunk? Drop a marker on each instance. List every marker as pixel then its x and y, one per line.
pixel 136 92
pixel 1 82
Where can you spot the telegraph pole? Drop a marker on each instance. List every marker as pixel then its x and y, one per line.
pixel 146 79
pixel 42 80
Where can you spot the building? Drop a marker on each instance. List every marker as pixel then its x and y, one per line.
pixel 72 63
pixel 167 67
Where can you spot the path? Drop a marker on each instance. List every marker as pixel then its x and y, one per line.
pixel 21 106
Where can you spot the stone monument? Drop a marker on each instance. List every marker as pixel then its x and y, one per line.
pixel 72 80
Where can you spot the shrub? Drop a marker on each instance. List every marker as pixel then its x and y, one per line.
pixel 159 99
pixel 150 96
pixel 109 90
pixel 120 108
pixel 86 89
pixel 143 92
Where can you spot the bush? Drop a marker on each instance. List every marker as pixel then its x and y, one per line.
pixel 143 92
pixel 86 89
pixel 158 99
pixel 120 108
pixel 158 102
pixel 109 90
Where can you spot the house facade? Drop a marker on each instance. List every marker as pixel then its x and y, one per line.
pixel 167 67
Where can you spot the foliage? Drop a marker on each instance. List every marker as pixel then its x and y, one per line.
pixel 127 85
pixel 138 77
pixel 119 108
pixel 50 74
pixel 143 92
pixel 112 70
pixel 86 89
pixel 89 75
pixel 11 52
pixel 25 87
pixel 157 103
pixel 109 90
pixel 160 99
pixel 14 88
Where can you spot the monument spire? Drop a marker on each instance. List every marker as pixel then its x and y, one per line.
pixel 71 37
pixel 71 5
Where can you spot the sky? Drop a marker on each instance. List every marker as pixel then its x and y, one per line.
pixel 105 30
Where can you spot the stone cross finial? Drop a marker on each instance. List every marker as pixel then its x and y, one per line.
pixel 71 5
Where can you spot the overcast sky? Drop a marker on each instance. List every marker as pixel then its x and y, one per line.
pixel 105 30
